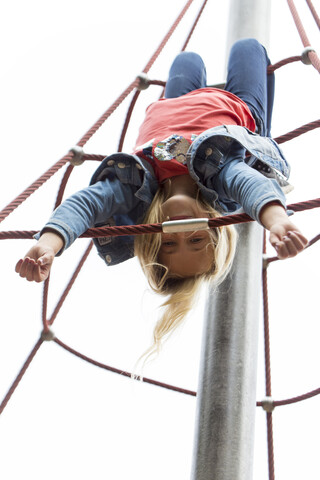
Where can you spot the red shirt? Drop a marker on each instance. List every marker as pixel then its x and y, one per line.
pixel 172 124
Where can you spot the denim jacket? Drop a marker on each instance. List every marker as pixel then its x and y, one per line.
pixel 122 188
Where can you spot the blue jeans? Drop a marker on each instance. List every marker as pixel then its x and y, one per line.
pixel 246 78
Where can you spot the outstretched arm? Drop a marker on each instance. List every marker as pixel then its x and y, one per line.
pixel 36 265
pixel 285 237
pixel 263 200
pixel 75 215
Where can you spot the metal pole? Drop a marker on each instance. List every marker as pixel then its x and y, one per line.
pixel 225 421
pixel 249 19
pixel 227 387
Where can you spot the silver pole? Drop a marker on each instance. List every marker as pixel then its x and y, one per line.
pixel 249 19
pixel 227 387
pixel 225 420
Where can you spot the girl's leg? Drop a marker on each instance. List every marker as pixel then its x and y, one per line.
pixel 247 78
pixel 187 73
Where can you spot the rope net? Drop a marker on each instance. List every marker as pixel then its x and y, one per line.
pixel 72 158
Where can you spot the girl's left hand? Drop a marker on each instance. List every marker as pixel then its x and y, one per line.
pixel 287 240
pixel 285 237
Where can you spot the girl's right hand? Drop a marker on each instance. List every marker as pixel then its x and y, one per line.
pixel 36 265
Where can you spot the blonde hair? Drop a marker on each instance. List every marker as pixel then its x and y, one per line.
pixel 181 292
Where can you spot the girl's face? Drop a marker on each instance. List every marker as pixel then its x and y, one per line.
pixel 185 254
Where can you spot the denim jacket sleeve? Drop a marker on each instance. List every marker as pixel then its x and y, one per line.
pixel 217 162
pixel 239 183
pixel 91 206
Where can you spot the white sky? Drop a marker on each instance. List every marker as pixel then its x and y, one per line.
pixel 63 64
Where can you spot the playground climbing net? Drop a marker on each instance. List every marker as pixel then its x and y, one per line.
pixel 77 156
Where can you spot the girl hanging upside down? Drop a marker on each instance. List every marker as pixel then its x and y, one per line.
pixel 201 152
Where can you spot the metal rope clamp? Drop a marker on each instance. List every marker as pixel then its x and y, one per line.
pixel 305 55
pixel 265 261
pixel 268 404
pixel 77 158
pixel 48 335
pixel 187 225
pixel 144 81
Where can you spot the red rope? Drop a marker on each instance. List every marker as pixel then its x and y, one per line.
pixel 267 365
pixel 270 446
pixel 126 374
pixel 168 386
pixel 156 383
pixel 300 398
pixel 93 156
pixel 266 327
pixel 122 372
pixel 4 213
pixel 130 111
pixel 137 93
pixel 46 176
pixel 286 61
pixel 298 131
pixel 128 118
pixel 45 304
pixel 310 243
pixel 298 22
pixel 194 25
pixel 312 55
pixel 157 227
pixel 34 186
pixel 70 284
pixel 107 114
pixel 168 35
pixel 20 375
pixel 281 139
pixel 21 198
pixel 314 13
pixel 63 185
pixel 213 222
pixel 289 401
